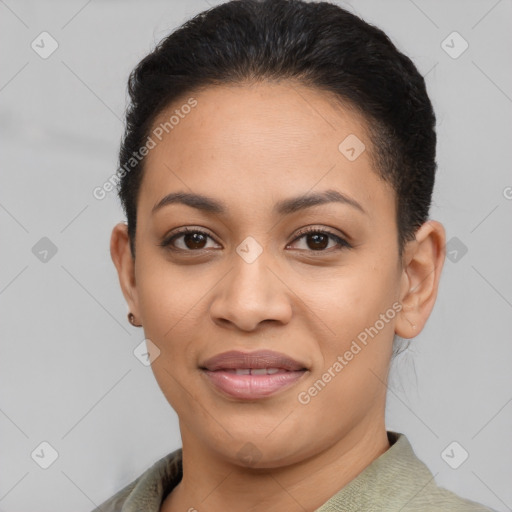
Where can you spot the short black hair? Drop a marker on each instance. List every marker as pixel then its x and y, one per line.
pixel 318 44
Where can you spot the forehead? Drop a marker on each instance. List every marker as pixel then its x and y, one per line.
pixel 257 143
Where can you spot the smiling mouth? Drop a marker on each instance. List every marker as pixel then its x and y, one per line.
pixel 252 375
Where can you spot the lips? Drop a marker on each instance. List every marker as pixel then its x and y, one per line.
pixel 254 375
pixel 262 359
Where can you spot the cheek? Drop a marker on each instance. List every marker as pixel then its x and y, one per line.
pixel 165 290
pixel 350 301
pixel 356 350
pixel 170 304
pixel 358 345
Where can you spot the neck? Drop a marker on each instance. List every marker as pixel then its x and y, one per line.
pixel 213 484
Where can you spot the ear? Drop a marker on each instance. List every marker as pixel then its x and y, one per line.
pixel 422 264
pixel 125 265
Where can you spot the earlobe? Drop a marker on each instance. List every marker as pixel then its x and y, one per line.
pixel 125 265
pixel 423 263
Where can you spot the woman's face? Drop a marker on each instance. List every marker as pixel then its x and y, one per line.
pixel 253 281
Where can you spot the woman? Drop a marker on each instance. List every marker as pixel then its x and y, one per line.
pixel 276 173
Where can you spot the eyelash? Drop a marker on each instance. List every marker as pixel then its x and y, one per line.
pixel 342 243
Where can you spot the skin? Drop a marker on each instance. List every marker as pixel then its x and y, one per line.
pixel 267 142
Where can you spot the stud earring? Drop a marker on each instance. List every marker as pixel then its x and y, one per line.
pixel 131 319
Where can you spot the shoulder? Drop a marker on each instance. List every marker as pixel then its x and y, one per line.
pixel 395 481
pixel 463 503
pixel 420 491
pixel 149 489
pixel 434 497
pixel 115 503
pixel 438 498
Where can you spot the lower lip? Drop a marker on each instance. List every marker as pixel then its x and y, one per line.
pixel 250 387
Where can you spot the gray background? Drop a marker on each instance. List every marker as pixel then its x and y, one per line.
pixel 67 369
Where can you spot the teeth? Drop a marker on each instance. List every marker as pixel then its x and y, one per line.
pixel 256 371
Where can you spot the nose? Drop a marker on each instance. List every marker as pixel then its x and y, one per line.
pixel 250 294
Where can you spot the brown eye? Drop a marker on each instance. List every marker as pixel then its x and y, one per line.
pixel 318 240
pixel 194 240
pixel 190 240
pixel 315 240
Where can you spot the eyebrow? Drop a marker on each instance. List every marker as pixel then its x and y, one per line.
pixel 283 207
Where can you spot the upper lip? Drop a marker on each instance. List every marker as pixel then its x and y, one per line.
pixel 260 359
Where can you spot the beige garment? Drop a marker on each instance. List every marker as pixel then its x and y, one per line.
pixel 396 481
